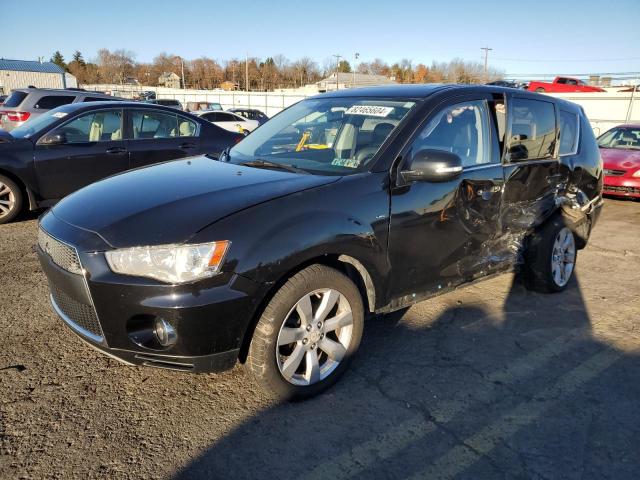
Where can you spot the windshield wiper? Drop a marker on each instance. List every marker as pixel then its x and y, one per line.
pixel 259 163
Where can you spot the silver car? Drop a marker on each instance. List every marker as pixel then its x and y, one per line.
pixel 28 103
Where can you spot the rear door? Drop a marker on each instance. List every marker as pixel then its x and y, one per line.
pixel 94 149
pixel 533 174
pixel 157 136
pixel 442 234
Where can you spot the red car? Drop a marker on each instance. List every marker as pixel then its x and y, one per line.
pixel 562 84
pixel 620 152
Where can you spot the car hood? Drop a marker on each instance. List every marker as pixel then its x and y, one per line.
pixel 170 202
pixel 620 159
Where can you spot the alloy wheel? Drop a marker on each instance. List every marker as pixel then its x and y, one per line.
pixel 315 337
pixel 7 200
pixel 563 257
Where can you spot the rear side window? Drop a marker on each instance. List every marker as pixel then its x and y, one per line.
pixel 15 99
pixel 148 124
pixel 533 130
pixel 569 126
pixel 53 101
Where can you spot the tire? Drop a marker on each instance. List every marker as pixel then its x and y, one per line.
pixel 551 257
pixel 285 344
pixel 540 90
pixel 10 199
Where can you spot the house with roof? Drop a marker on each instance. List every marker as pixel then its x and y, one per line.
pixel 25 73
pixel 169 80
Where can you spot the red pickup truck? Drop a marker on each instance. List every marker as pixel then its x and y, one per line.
pixel 563 84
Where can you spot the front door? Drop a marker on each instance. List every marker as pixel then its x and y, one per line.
pixel 442 234
pixel 93 148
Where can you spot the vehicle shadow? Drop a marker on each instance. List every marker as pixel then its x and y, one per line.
pixel 522 390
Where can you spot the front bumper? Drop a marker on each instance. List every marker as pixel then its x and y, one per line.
pixel 112 313
pixel 622 186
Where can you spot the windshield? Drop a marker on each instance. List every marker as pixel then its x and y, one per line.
pixel 40 122
pixel 328 136
pixel 623 138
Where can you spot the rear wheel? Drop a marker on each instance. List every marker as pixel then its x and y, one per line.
pixel 540 89
pixel 307 334
pixel 10 199
pixel 551 257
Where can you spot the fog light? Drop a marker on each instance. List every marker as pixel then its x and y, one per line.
pixel 165 333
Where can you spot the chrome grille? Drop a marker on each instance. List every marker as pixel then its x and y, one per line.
pixel 60 253
pixel 80 316
pixel 614 173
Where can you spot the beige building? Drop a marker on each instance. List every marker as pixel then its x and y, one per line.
pixel 24 73
pixel 169 80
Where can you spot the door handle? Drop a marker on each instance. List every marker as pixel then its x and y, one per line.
pixel 116 150
pixel 187 146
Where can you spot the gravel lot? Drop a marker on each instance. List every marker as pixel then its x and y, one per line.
pixel 490 381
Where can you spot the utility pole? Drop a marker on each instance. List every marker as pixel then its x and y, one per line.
pixel 338 57
pixel 355 59
pixel 246 72
pixel 182 67
pixel 486 56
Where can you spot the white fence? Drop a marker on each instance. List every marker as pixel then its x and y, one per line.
pixel 605 110
pixel 268 102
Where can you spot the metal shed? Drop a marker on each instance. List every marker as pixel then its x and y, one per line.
pixel 23 73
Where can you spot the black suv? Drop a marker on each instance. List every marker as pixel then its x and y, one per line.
pixel 344 205
pixel 74 145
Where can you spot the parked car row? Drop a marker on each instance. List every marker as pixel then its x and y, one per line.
pixel 71 146
pixel 29 103
pixel 348 204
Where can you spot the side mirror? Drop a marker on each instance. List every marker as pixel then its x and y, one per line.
pixel 53 139
pixel 432 166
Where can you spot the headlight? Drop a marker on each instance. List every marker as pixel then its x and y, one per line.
pixel 636 174
pixel 170 263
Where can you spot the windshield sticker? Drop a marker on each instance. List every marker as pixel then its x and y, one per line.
pixel 346 162
pixel 59 115
pixel 370 110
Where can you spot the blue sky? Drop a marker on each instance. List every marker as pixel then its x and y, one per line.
pixel 582 36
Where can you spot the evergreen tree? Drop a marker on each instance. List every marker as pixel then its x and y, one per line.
pixel 77 57
pixel 58 59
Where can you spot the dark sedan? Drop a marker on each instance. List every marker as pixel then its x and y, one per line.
pixel 77 144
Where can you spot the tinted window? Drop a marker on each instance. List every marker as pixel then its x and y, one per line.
pixel 533 130
pixel 53 101
pixel 96 99
pixel 210 117
pixel 102 126
pixel 14 99
pixel 568 133
pixel 154 124
pixel 462 129
pixel 226 117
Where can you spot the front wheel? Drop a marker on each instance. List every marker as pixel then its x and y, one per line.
pixel 551 257
pixel 307 334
